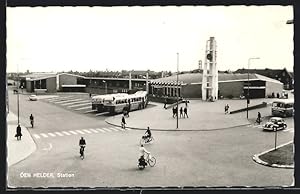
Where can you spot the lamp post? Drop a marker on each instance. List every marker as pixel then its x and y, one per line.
pixel 18 104
pixel 105 86
pixel 248 93
pixel 177 93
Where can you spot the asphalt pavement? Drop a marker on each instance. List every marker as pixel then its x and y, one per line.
pixel 184 158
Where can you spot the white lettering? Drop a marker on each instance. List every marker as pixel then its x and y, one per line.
pixel 25 175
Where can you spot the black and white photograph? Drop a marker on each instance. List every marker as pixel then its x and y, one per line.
pixel 150 96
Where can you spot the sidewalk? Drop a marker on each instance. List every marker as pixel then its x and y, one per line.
pixel 203 116
pixel 17 150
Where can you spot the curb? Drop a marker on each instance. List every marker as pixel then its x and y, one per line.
pixel 215 129
pixel 259 161
pixel 20 160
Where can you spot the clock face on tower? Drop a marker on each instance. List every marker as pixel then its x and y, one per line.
pixel 209 56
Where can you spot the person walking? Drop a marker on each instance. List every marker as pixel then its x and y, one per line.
pixel 258 120
pixel 181 111
pixel 123 122
pixel 18 132
pixel 174 111
pixel 165 105
pixel 226 108
pixel 31 120
pixel 185 112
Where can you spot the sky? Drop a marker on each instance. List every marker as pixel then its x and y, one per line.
pixel 54 39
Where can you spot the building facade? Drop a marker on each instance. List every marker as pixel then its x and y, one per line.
pixel 282 75
pixel 229 86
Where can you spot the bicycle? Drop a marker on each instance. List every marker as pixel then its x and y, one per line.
pixel 151 161
pixel 145 139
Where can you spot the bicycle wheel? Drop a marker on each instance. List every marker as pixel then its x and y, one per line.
pixel 152 139
pixel 152 161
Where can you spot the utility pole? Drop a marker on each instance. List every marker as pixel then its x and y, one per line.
pixel 248 93
pixel 177 89
pixel 18 95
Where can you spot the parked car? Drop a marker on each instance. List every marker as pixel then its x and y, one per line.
pixel 33 97
pixel 275 124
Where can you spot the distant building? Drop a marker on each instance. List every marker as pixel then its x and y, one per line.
pixel 66 82
pixel 282 75
pixel 230 85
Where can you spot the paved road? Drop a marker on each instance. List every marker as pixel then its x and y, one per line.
pixel 200 158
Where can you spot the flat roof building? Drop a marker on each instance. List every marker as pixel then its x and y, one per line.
pixel 231 85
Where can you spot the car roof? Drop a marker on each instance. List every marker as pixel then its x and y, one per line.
pixel 276 118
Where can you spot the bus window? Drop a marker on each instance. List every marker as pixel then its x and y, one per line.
pixel 288 106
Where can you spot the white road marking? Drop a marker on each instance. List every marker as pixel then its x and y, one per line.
pixel 73 132
pixel 79 131
pixel 112 128
pixel 85 130
pixel 59 98
pixel 101 130
pixel 64 101
pixel 77 105
pixel 106 129
pixel 44 135
pixel 64 132
pixel 102 113
pixel 50 147
pixel 86 107
pixel 58 133
pixel 90 111
pixel 36 136
pixel 93 130
pixel 51 134
pixel 75 102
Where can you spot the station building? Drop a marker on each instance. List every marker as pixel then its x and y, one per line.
pixel 230 85
pixel 65 82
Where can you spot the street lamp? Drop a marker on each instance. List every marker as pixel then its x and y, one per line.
pixel 248 95
pixel 105 86
pixel 177 90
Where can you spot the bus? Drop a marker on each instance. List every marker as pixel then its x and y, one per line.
pixel 283 107
pixel 98 101
pixel 119 103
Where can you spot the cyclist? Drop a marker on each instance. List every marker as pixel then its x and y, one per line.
pixel 82 145
pixel 147 135
pixel 31 120
pixel 143 150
